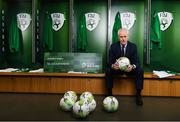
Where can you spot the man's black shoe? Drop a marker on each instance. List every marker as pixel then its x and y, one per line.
pixel 139 100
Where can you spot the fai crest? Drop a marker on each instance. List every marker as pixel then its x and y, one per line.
pixel 57 20
pixel 23 20
pixel 165 19
pixel 92 20
pixel 127 20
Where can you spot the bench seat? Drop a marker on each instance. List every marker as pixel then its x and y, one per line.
pixel 95 83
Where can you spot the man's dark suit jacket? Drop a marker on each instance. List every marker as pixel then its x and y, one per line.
pixel 131 53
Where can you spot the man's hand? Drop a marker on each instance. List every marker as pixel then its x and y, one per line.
pixel 115 66
pixel 129 68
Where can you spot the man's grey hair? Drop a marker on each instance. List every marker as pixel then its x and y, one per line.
pixel 123 29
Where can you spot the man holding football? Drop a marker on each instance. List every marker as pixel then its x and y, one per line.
pixel 119 49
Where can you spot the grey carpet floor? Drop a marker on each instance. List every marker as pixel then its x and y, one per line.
pixel 45 107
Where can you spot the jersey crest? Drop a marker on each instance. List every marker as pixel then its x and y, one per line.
pixel 57 20
pixel 92 20
pixel 165 19
pixel 24 20
pixel 127 19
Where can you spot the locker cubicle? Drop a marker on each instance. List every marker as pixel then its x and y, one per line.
pixel 97 36
pixel 18 51
pixel 137 33
pixel 60 30
pixel 166 56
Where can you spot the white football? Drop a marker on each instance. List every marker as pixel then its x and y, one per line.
pixel 110 104
pixel 87 95
pixel 66 104
pixel 80 109
pixel 123 63
pixel 91 104
pixel 71 94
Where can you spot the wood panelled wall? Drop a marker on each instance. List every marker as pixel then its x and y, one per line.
pixel 95 83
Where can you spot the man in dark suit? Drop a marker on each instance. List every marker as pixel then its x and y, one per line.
pixel 124 48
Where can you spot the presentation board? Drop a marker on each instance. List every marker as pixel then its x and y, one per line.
pixel 73 62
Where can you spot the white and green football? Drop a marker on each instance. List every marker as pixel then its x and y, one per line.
pixel 86 95
pixel 110 104
pixel 91 104
pixel 123 63
pixel 66 104
pixel 71 94
pixel 80 109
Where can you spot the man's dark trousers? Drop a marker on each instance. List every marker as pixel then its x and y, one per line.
pixel 137 72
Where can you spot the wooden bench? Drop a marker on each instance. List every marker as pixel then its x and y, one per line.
pixel 95 83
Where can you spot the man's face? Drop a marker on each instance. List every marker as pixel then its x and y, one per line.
pixel 123 37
